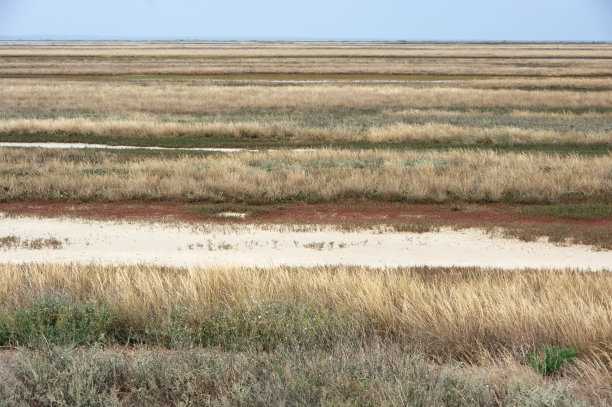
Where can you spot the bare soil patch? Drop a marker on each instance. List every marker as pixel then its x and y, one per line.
pixel 398 217
pixel 357 214
pixel 264 245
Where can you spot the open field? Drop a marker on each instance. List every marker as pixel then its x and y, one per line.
pixel 289 48
pixel 321 67
pixel 395 59
pixel 520 96
pixel 294 273
pixel 268 115
pixel 148 131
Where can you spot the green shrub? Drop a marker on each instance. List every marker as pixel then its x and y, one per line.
pixel 59 322
pixel 554 359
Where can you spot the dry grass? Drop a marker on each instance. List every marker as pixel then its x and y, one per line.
pixel 586 84
pixel 473 315
pixel 334 65
pixel 359 112
pixel 26 96
pixel 306 58
pixel 345 330
pixel 344 375
pixel 313 49
pixel 318 175
pixel 147 125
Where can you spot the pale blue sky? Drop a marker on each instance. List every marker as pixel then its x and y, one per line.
pixel 561 20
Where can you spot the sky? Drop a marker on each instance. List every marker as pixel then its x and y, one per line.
pixel 489 20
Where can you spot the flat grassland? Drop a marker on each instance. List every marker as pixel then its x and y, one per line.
pixel 310 95
pixel 356 135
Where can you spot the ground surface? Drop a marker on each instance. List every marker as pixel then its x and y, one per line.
pixel 268 246
pixel 384 155
pixel 566 223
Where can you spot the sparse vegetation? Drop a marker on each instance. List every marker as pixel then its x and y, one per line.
pixel 12 242
pixel 580 211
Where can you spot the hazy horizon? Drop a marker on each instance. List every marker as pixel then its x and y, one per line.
pixel 317 20
pixel 76 38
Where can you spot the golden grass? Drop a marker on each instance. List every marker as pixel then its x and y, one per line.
pixel 465 314
pixel 288 49
pixel 318 175
pixel 224 65
pixel 26 96
pixel 307 58
pixel 148 125
pixel 586 84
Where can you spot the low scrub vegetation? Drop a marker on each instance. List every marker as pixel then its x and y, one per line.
pixel 15 242
pixel 341 375
pixel 565 211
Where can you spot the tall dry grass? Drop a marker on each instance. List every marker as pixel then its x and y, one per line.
pixel 317 175
pixel 346 323
pixel 27 96
pixel 147 125
pixel 467 314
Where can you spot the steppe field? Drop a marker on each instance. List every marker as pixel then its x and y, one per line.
pixel 305 223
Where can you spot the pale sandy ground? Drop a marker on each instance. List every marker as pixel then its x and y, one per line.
pixel 106 147
pixel 299 81
pixel 218 245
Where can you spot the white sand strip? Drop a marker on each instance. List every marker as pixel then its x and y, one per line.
pixel 217 245
pixel 107 147
pixel 308 81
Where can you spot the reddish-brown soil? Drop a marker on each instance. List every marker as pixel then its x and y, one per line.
pixel 164 211
pixel 401 216
pixel 352 214
pixel 413 213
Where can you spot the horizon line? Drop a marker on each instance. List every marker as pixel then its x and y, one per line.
pixel 79 38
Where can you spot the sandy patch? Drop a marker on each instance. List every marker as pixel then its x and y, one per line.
pixel 239 215
pixel 107 147
pixel 266 245
pixel 314 81
pixel 52 145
